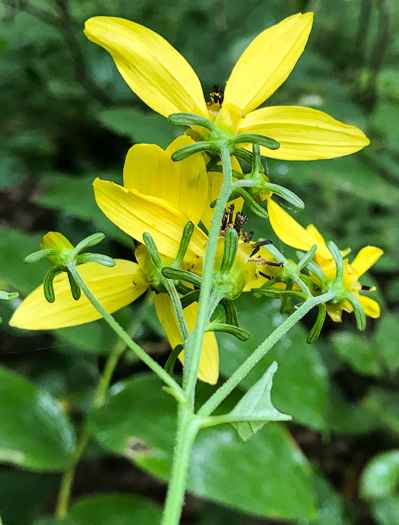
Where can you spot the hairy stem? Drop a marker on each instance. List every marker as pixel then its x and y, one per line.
pixel 222 392
pixel 194 343
pixel 141 354
pixel 187 430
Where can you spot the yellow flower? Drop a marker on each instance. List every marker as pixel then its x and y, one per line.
pixel 160 197
pixel 165 81
pixel 293 234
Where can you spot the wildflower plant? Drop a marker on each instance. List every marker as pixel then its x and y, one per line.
pixel 183 208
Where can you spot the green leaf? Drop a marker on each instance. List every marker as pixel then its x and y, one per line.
pixel 14 247
pixel 257 406
pixel 358 351
pixel 386 510
pixel 381 476
pixel 36 489
pixel 138 422
pixel 138 126
pixel 112 509
pixel 35 432
pixel 75 197
pixel 385 339
pixel 300 387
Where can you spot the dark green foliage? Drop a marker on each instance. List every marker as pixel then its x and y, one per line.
pixel 68 117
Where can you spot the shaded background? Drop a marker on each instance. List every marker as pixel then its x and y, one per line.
pixel 67 117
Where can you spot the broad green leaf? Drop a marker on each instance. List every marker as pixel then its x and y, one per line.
pixel 138 422
pixel 36 489
pixel 386 510
pixel 348 418
pixel 381 476
pixel 35 433
pixel 138 126
pixel 358 351
pixel 300 387
pixel 14 272
pixel 111 509
pixel 75 197
pixel 256 406
pixel 386 341
pixel 383 405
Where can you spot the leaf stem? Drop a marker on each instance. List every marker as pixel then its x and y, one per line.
pixel 141 354
pixel 194 344
pixel 222 392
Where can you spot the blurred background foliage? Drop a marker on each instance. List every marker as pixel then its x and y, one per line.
pixel 68 117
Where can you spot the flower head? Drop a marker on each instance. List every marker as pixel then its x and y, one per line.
pixel 165 81
pixel 293 234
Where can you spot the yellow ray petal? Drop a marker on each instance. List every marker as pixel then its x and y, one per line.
pixel 370 307
pixel 315 233
pixel 114 287
pixel 150 170
pixel 209 363
pixel 267 62
pixel 136 214
pixel 292 233
pixel 152 68
pixel 189 190
pixel 303 133
pixel 365 259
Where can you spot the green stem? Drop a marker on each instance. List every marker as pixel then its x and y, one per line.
pixel 222 392
pixel 98 400
pixel 194 343
pixel 141 354
pixel 187 430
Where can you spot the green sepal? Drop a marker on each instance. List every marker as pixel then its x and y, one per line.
pixel 272 293
pixel 305 258
pixel 253 138
pixel 230 250
pixel 182 288
pixel 170 363
pixel 91 240
pixel 255 408
pixel 189 298
pixel 181 275
pixel 48 286
pixel 230 312
pixel 8 296
pixel 314 332
pixel 358 311
pixel 75 289
pixel 243 154
pixel 239 333
pixel 39 255
pixel 317 271
pixel 185 241
pixel 191 119
pixel 95 258
pixel 339 262
pixel 249 201
pixel 285 194
pixel 152 250
pixel 310 283
pixel 197 147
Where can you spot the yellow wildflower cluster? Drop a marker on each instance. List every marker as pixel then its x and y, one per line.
pixel 160 197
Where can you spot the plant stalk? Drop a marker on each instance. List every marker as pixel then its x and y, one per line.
pixel 194 343
pixel 141 354
pixel 222 392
